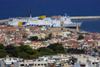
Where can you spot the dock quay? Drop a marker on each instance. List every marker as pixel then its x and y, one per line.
pixel 85 17
pixel 4 22
pixel 72 18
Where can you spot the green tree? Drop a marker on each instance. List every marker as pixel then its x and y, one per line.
pixel 76 51
pixel 3 53
pixel 57 48
pixel 33 38
pixel 71 31
pixel 10 49
pixel 24 36
pixel 50 36
pixel 25 51
pixel 52 46
pixel 45 50
pixel 31 52
pixel 35 55
pixel 1 46
pixel 24 55
pixel 95 50
pixel 25 48
pixel 80 37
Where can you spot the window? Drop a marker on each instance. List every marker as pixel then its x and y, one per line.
pixel 38 64
pixel 45 64
pixel 41 64
pixel 21 64
pixel 25 64
pixel 30 64
pixel 35 64
pixel 12 63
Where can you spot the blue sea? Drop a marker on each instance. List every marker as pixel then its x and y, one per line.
pixel 19 8
pixel 90 25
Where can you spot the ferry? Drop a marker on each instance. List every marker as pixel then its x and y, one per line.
pixel 53 21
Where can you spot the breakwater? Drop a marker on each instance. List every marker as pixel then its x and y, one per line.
pixel 85 17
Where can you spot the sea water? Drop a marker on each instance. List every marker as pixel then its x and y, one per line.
pixel 19 8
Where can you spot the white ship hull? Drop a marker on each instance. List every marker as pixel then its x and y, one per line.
pixel 48 22
pixel 73 25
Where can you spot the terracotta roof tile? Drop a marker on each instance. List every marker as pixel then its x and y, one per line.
pixel 34 27
pixel 56 37
pixel 35 42
pixel 76 45
pixel 19 42
pixel 86 37
pixel 11 28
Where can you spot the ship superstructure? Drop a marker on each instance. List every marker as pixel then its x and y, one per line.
pixel 53 21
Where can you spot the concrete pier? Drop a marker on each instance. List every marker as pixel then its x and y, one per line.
pixel 5 20
pixel 85 17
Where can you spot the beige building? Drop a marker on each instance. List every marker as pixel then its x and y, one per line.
pixel 31 63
